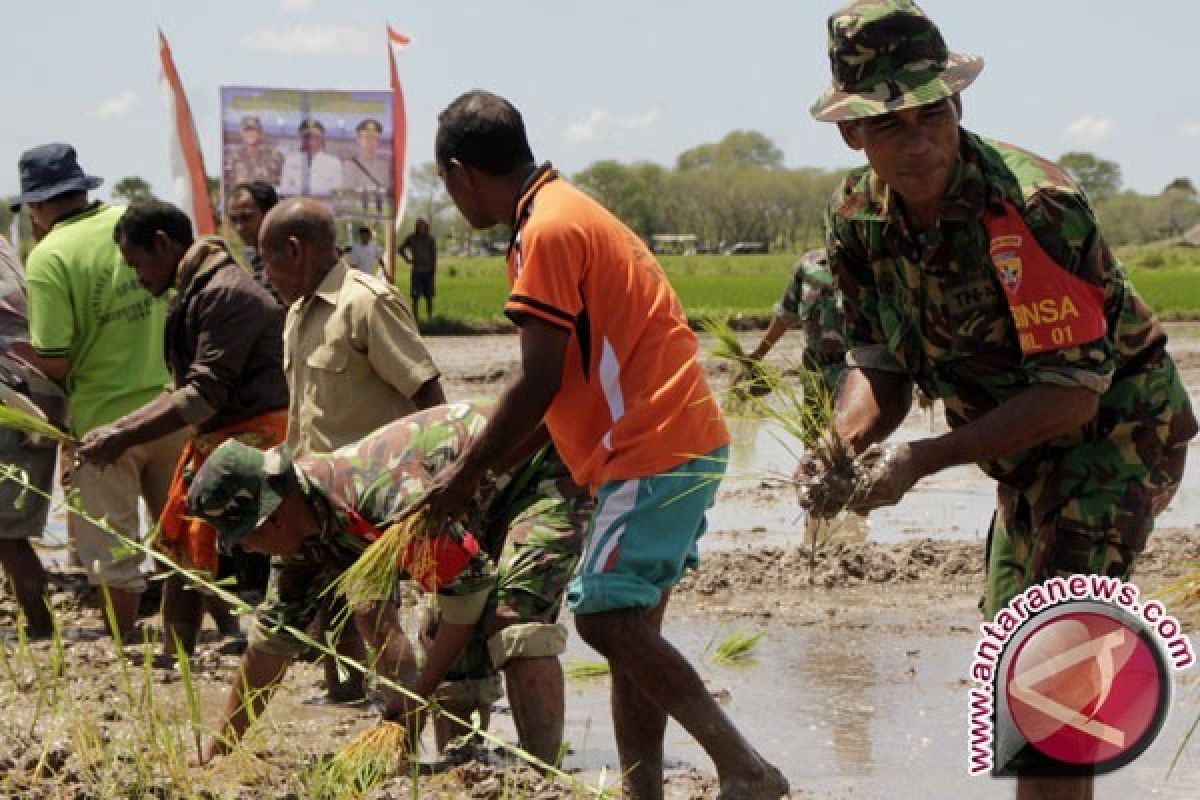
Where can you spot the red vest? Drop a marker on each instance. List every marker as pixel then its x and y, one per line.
pixel 1052 308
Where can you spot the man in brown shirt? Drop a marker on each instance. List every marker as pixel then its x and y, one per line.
pixel 224 349
pixel 352 355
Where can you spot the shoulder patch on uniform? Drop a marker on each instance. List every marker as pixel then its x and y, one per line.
pixel 1034 173
pixel 374 283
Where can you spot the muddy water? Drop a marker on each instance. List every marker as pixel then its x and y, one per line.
pixel 854 694
pixel 855 703
pixel 754 507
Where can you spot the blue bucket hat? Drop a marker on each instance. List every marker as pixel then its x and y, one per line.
pixel 49 170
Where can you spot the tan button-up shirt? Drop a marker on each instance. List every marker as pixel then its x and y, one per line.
pixel 353 360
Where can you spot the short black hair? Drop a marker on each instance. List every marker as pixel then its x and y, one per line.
pixel 142 220
pixel 485 131
pixel 363 229
pixel 261 192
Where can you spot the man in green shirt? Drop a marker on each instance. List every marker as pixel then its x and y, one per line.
pixel 96 331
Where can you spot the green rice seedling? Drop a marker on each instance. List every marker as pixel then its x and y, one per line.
pixel 1184 597
pixel 737 648
pixel 371 758
pixel 580 670
pixel 803 409
pixel 151 760
pixel 15 419
pixel 727 346
pixel 189 688
pixel 374 575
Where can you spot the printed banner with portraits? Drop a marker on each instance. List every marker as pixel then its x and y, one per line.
pixel 332 145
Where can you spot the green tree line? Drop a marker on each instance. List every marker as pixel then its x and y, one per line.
pixel 738 190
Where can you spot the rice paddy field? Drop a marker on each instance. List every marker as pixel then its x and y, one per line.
pixel 845 666
pixel 471 291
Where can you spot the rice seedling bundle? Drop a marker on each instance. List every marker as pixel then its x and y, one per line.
pixel 371 758
pixel 805 412
pixel 738 647
pixel 586 670
pixel 431 558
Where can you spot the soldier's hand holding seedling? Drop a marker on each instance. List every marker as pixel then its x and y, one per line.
pixel 825 489
pixel 887 472
pixel 880 476
pixel 749 380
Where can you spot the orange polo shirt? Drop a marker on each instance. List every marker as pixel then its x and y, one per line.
pixel 634 401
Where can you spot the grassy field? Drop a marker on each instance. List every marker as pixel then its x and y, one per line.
pixel 471 291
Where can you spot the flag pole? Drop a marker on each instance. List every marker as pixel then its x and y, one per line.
pixel 399 148
pixel 187 163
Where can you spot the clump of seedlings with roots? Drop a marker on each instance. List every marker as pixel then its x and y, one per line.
pixel 830 478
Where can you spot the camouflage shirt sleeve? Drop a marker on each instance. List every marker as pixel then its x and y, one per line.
pixel 1065 227
pixel 788 308
pixel 867 346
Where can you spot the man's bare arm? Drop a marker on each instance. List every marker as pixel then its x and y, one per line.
pixel 870 405
pixel 515 418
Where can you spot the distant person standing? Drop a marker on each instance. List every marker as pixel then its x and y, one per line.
pixel 254 160
pixel 21 383
pixel 419 249
pixel 365 255
pixel 310 170
pixel 250 203
pixel 95 330
pixel 811 300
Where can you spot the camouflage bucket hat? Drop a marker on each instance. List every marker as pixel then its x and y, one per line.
pixel 887 55
pixel 239 487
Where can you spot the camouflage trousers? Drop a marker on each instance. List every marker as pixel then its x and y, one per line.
pixel 1097 533
pixel 542 544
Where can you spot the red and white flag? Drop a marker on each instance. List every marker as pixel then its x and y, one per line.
pixel 396 43
pixel 187 165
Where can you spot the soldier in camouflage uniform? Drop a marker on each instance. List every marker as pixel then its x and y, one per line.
pixel 530 523
pixel 976 270
pixel 811 299
pixel 254 160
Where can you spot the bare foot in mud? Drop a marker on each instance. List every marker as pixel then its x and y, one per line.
pixel 771 785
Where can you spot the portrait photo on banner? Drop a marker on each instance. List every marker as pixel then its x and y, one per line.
pixel 329 144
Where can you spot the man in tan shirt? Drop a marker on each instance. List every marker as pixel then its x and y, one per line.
pixel 351 352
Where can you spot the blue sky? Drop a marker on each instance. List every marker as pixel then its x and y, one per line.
pixel 620 79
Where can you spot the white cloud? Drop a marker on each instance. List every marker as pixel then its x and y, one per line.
pixel 340 40
pixel 114 107
pixel 1191 129
pixel 603 124
pixel 1088 129
pixel 295 5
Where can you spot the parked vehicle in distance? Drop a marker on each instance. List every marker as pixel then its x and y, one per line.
pixel 746 248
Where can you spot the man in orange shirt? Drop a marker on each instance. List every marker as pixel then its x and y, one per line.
pixel 609 364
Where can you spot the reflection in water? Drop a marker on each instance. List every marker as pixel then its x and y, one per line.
pixel 846 674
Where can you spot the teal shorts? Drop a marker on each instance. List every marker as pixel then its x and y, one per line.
pixel 643 535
